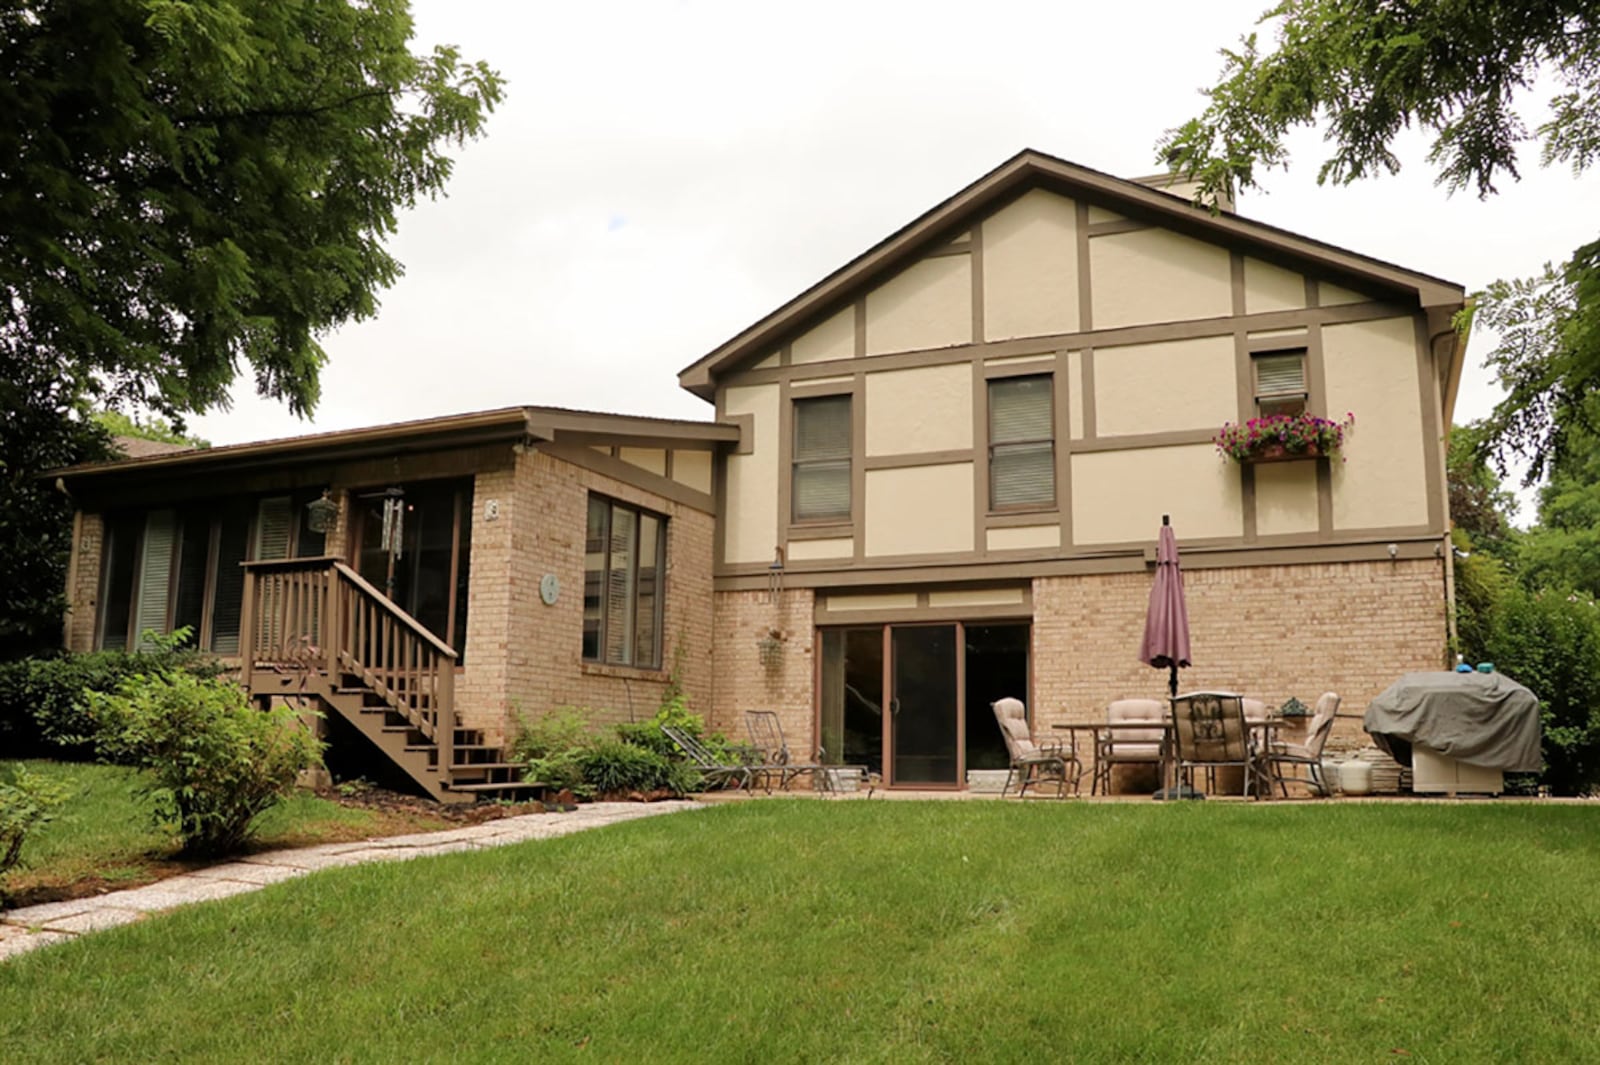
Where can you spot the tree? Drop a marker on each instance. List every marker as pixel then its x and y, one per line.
pixel 189 187
pixel 1563 551
pixel 154 427
pixel 1463 70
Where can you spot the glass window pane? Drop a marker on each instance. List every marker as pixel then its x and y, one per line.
pixel 194 557
pixel 119 561
pixel 822 428
pixel 620 586
pixel 1021 474
pixel 1280 374
pixel 822 490
pixel 594 567
pixel 1020 409
pixel 646 633
pixel 228 595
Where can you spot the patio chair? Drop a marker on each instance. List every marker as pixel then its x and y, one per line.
pixel 766 736
pixel 1291 756
pixel 1034 762
pixel 712 769
pixel 1123 744
pixel 1209 732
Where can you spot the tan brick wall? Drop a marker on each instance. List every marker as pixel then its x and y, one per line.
pixel 83 583
pixel 743 682
pixel 1268 632
pixel 524 657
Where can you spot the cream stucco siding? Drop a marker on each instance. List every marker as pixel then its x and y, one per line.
pixel 1152 275
pixel 692 469
pixel 927 306
pixel 928 409
pixel 767 363
pixel 880 601
pixel 919 510
pixel 1286 498
pixel 1331 295
pixel 1024 537
pixel 1272 288
pixel 751 522
pixel 646 458
pixel 1100 214
pixel 1119 496
pixel 814 550
pixel 832 339
pixel 977 597
pixel 1181 384
pixel 1371 371
pixel 1030 268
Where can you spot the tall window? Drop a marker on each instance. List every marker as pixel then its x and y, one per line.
pixel 625 562
pixel 821 459
pixel 1022 450
pixel 1280 382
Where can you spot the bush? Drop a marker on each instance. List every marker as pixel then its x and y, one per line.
pixel 217 762
pixel 43 708
pixel 27 802
pixel 612 767
pixel 1550 642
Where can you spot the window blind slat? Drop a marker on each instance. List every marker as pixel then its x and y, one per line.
pixel 155 575
pixel 1020 409
pixel 1022 468
pixel 822 490
pixel 822 428
pixel 1022 474
pixel 1278 375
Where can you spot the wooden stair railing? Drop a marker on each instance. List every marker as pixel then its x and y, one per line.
pixel 317 615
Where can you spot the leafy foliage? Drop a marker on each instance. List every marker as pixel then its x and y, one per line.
pixel 191 187
pixel 1480 508
pixel 1563 550
pixel 1295 433
pixel 27 803
pixel 153 427
pixel 1367 69
pixel 44 702
pixel 613 767
pixel 562 749
pixel 217 762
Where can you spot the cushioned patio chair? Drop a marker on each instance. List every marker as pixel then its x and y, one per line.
pixel 1284 760
pixel 1124 744
pixel 1209 732
pixel 1033 762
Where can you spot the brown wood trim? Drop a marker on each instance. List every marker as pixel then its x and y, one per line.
pixel 1432 431
pixel 786 355
pixel 719 476
pixel 919 458
pixel 629 474
pixel 1111 229
pixel 1120 336
pixel 746 424
pixel 1090 428
pixel 1415 545
pixel 1236 282
pixel 944 250
pixel 858 466
pixel 1085 287
pixel 980 456
pixel 1257 345
pixel 835 530
pixel 1039 366
pixel 1313 293
pixel 1022 519
pixel 920 614
pixel 861 328
pixel 1062 394
pixel 1174 438
pixel 786 400
pixel 979 330
pixel 1247 500
pixel 838 385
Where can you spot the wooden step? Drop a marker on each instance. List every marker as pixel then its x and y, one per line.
pixel 510 785
pixel 475 766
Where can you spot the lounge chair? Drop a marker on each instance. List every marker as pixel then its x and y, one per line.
pixel 1032 761
pixel 766 736
pixel 713 770
pixel 1292 756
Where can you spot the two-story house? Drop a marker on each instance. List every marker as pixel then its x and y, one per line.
pixel 934 478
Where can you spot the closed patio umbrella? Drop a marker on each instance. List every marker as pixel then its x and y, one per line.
pixel 1166 622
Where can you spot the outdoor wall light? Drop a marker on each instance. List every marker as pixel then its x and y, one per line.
pixel 322 513
pixel 1394 552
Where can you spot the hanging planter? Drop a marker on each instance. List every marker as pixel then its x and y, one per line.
pixel 1283 438
pixel 770 649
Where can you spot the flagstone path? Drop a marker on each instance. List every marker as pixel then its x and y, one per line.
pixel 33 927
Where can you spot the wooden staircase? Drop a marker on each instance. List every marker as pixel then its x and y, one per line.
pixel 312 629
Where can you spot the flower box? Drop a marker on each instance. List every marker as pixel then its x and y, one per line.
pixel 1282 438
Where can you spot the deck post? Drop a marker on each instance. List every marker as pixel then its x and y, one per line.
pixel 247 627
pixel 444 711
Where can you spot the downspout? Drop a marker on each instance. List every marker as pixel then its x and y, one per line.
pixel 1446 548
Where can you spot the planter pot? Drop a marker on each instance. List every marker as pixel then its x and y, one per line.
pixel 1355 777
pixel 1279 453
pixel 986 781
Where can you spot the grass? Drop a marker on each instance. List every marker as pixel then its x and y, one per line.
pixel 103 837
pixel 876 932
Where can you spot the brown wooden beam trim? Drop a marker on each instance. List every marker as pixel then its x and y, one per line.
pixel 1085 289
pixel 964 248
pixel 1047 364
pixel 918 458
pixel 922 613
pixel 1236 279
pixel 838 385
pixel 1243 377
pixel 1432 431
pixel 1090 428
pixel 1247 500
pixel 1317 402
pixel 1313 293
pixel 1016 519
pixel 1413 546
pixel 861 328
pixel 1111 229
pixel 786 355
pixel 627 473
pixel 837 530
pixel 980 457
pixel 1061 396
pixel 1123 335
pixel 979 333
pixel 786 458
pixel 719 475
pixel 1286 342
pixel 1174 438
pixel 746 424
pixel 858 468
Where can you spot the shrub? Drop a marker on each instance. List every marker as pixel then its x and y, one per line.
pixel 217 762
pixel 611 766
pixel 43 708
pixel 565 728
pixel 27 802
pixel 1550 641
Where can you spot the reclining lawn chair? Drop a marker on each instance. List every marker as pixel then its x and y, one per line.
pixel 766 735
pixel 713 771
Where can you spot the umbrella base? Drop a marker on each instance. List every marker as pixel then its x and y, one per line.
pixel 1183 792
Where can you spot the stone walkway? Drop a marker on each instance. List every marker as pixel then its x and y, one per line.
pixel 55 922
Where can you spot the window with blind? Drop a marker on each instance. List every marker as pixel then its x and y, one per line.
pixel 821 481
pixel 167 569
pixel 1280 382
pixel 1022 449
pixel 625 562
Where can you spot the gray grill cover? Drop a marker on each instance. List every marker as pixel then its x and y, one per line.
pixel 1483 719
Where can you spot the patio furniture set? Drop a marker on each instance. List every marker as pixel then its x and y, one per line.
pixel 766 761
pixel 1198 732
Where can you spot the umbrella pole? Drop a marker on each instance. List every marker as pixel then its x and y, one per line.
pixel 1172 681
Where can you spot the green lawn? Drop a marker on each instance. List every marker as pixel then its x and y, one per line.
pixel 880 931
pixel 103 837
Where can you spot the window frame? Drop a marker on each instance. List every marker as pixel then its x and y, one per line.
pixel 798 463
pixel 1006 445
pixel 1303 396
pixel 659 598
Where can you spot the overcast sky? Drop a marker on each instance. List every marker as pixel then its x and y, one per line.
pixel 662 174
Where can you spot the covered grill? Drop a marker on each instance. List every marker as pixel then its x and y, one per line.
pixel 1459 731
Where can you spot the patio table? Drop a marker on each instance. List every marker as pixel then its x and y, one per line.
pixel 1265 726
